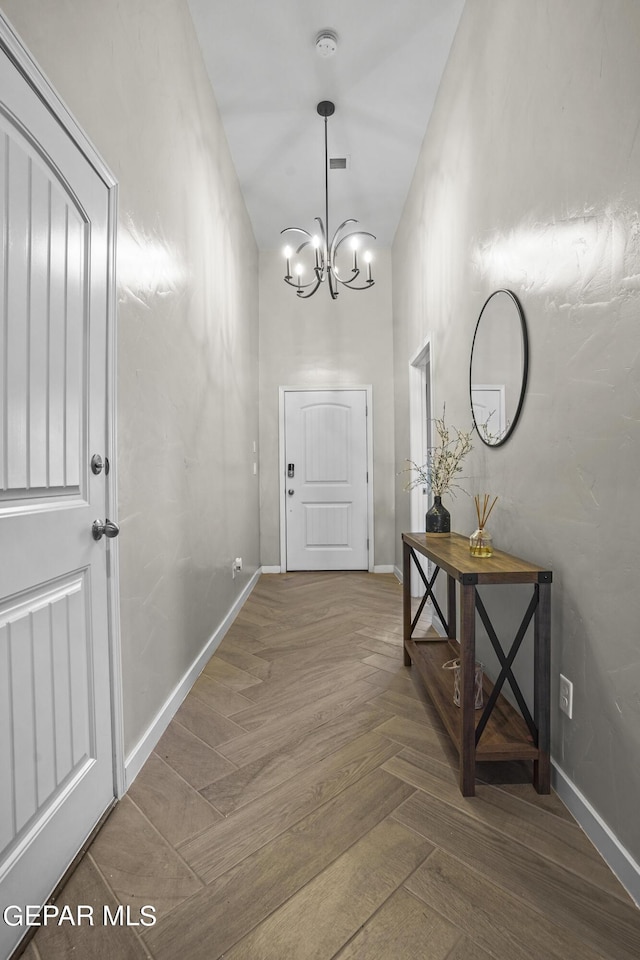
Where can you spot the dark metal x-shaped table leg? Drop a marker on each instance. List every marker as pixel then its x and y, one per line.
pixel 505 663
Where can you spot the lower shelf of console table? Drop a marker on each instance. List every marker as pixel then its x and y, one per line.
pixel 497 731
pixel 505 736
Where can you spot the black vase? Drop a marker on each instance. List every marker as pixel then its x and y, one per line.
pixel 438 519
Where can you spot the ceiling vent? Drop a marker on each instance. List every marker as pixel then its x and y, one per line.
pixel 339 163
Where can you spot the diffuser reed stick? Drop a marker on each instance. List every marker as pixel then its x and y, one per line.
pixel 482 511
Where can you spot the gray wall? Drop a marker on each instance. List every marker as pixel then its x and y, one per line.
pixel 132 74
pixel 322 342
pixel 529 179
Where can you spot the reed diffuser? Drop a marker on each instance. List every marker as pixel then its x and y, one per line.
pixel 480 542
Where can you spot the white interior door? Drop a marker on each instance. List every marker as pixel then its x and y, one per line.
pixel 326 502
pixel 56 750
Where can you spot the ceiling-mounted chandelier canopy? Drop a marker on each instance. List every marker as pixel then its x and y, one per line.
pixel 323 256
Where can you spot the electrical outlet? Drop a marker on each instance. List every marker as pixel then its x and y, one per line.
pixel 566 696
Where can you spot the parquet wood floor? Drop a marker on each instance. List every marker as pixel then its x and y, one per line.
pixel 303 804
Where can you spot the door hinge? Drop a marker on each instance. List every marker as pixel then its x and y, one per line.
pixel 367 543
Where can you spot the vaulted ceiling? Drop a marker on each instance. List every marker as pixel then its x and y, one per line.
pixel 268 77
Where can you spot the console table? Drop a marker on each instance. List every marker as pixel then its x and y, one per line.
pixel 501 732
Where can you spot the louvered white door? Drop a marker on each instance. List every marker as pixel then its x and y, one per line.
pixel 326 499
pixel 56 756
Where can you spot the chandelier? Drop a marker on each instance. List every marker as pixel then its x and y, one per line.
pixel 321 252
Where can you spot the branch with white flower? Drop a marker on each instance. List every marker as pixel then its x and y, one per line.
pixel 441 471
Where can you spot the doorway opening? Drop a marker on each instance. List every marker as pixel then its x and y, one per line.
pixel 420 441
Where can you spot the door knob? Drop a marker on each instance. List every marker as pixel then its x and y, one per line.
pixel 290 492
pixel 106 529
pixel 97 463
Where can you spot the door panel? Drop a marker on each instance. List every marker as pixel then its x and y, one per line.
pixel 56 748
pixel 326 429
pixel 44 248
pixel 45 656
pixel 326 499
pixel 327 525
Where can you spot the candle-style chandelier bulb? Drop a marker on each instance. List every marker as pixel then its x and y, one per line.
pixel 325 266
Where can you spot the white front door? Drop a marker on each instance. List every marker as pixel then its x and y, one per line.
pixel 326 480
pixel 56 749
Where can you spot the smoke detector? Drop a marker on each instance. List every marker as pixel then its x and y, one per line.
pixel 326 44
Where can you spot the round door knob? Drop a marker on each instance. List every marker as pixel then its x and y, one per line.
pixel 97 464
pixel 290 492
pixel 106 529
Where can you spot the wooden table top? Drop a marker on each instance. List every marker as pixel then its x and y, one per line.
pixel 451 553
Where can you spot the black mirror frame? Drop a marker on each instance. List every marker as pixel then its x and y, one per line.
pixel 525 370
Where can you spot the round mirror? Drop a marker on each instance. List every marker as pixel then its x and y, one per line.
pixel 498 368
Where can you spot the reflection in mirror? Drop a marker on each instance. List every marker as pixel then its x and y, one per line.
pixel 499 367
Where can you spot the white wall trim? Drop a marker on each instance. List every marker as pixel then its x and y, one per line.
pixel 398 573
pixel 419 411
pixel 368 388
pixel 40 83
pixel 142 750
pixel 602 837
pixel 420 417
pixel 381 568
pixel 370 512
pixel 117 680
pixel 282 466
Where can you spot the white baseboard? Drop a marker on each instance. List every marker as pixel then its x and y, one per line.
pixel 381 568
pixel 604 840
pixel 135 760
pixel 398 573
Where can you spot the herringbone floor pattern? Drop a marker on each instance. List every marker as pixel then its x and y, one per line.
pixel 303 804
